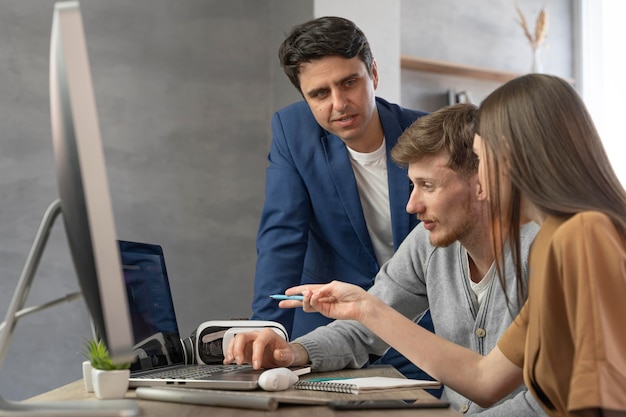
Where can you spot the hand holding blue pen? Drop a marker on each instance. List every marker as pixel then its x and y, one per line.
pixel 287 297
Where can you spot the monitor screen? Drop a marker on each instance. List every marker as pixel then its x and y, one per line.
pixel 83 186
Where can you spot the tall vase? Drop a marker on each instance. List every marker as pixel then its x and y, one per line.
pixel 537 65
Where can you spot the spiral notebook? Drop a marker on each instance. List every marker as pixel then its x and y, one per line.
pixel 363 384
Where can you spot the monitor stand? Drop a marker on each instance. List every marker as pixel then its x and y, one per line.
pixel 86 408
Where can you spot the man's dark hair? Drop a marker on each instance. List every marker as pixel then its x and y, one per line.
pixel 321 37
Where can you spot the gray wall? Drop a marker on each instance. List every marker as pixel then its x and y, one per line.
pixel 185 90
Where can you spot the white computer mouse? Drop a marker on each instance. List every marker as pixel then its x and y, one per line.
pixel 277 379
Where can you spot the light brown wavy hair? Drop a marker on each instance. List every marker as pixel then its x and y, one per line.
pixel 538 129
pixel 450 128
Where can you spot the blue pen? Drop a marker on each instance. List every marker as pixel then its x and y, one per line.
pixel 287 297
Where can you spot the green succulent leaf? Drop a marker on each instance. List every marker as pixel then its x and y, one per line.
pixel 96 352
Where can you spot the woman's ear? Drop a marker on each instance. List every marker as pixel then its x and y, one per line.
pixel 481 194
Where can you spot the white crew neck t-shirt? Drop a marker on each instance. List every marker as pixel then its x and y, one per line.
pixel 370 171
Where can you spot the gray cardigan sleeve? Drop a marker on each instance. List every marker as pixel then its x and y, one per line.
pixel 400 284
pixel 522 405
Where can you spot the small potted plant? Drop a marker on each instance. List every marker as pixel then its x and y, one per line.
pixel 109 380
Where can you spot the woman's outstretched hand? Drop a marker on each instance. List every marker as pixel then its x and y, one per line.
pixel 337 300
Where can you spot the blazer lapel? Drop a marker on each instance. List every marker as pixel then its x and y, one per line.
pixel 345 182
pixel 399 187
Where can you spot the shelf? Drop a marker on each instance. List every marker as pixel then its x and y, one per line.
pixel 441 67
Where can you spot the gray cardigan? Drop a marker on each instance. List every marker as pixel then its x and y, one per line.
pixel 418 277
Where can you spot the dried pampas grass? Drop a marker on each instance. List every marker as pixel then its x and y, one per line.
pixel 541 27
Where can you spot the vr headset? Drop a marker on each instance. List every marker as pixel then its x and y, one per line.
pixel 207 344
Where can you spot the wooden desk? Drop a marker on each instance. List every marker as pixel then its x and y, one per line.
pixel 76 391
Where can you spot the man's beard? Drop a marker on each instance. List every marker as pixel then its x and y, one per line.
pixel 454 235
pixel 458 231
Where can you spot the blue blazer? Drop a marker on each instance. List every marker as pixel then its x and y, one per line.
pixel 312 227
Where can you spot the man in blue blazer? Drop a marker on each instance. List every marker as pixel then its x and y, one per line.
pixel 334 201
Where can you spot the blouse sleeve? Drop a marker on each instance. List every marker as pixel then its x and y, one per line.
pixel 513 340
pixel 594 282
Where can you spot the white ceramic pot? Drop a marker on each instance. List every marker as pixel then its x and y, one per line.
pixel 110 384
pixel 87 376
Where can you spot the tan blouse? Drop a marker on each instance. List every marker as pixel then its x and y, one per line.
pixel 570 337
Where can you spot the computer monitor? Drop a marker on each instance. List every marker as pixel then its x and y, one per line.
pixel 83 187
pixel 86 208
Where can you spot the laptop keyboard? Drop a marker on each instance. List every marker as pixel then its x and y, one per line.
pixel 197 372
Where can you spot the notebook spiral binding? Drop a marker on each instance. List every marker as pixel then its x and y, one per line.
pixel 328 386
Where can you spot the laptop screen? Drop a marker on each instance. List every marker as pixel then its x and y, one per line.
pixel 157 339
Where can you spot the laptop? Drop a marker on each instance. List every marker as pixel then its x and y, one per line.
pixel 162 359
